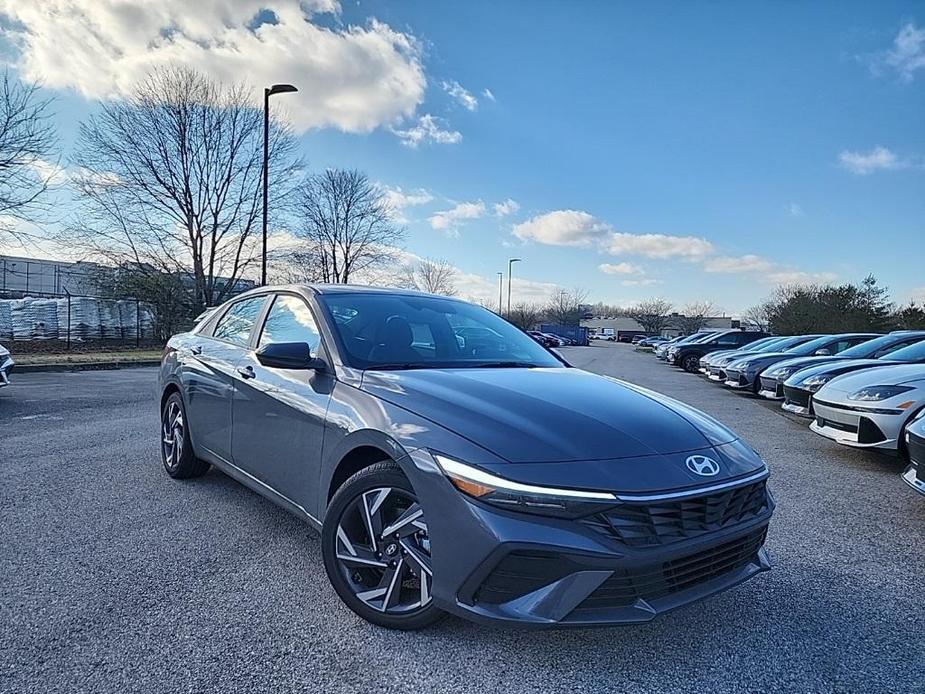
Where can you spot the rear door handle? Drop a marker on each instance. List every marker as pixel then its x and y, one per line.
pixel 247 371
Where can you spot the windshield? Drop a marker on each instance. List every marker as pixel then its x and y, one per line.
pixel 872 347
pixel 912 353
pixel 765 344
pixel 807 348
pixel 407 331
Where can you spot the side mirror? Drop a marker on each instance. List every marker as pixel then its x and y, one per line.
pixel 823 352
pixel 288 355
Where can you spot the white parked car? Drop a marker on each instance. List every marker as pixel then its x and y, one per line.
pixel 870 408
pixel 6 365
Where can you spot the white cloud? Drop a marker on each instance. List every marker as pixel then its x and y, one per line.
pixel 353 78
pixel 877 159
pixel 620 269
pixel 907 56
pixel 449 220
pixel 659 246
pixel 488 94
pixel 54 174
pixel 737 264
pixel 503 209
pixel 458 92
pixel 427 130
pixel 562 228
pixel 645 282
pixel 795 210
pixel 399 200
pixel 799 277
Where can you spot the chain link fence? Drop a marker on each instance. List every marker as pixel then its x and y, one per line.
pixel 53 321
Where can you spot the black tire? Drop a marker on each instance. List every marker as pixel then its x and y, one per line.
pixel 690 363
pixel 180 463
pixel 386 474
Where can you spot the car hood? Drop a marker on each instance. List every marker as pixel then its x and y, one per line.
pixel 839 367
pixel 726 356
pixel 807 362
pixel 549 415
pixel 760 360
pixel 895 375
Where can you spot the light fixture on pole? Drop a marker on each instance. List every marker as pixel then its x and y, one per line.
pixel 267 93
pixel 510 263
pixel 500 289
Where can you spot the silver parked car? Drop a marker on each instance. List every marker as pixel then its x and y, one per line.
pixel 6 366
pixel 870 408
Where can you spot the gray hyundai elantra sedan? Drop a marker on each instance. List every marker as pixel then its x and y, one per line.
pixel 454 465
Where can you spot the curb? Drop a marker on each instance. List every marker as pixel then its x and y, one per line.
pixel 84 366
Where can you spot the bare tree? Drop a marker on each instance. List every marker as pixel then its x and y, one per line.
pixel 565 306
pixel 759 316
pixel 170 180
pixel 653 314
pixel 525 316
pixel 694 315
pixel 345 225
pixel 27 139
pixel 432 276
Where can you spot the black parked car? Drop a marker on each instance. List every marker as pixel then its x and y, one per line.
pixel 688 355
pixel 454 465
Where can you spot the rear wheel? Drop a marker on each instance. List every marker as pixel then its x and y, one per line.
pixel 176 447
pixel 376 549
pixel 690 363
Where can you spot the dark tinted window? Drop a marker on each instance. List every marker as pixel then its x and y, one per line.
pixel 236 325
pixel 410 331
pixel 912 353
pixel 290 320
pixel 881 346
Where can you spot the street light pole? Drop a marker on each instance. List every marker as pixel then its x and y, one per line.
pixel 510 263
pixel 267 93
pixel 500 288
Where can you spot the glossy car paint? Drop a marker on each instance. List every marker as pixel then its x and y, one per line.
pixel 285 433
pixel 726 339
pixel 6 366
pixel 743 374
pixel 771 380
pixel 869 424
pixel 756 346
pixel 798 391
pixel 717 361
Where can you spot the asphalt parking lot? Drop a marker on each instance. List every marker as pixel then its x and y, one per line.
pixel 114 578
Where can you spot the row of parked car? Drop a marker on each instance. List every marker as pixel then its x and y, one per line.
pixel 864 390
pixel 550 340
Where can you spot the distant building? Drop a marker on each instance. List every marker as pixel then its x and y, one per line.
pixel 625 325
pixel 25 276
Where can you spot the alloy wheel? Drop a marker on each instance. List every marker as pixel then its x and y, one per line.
pixel 383 551
pixel 172 435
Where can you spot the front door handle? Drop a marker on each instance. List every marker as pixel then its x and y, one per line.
pixel 196 350
pixel 247 371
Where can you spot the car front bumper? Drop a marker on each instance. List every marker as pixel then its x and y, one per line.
pixel 771 388
pixel 914 475
pixel 6 368
pixel 497 566
pixel 739 380
pixel 798 401
pixel 858 427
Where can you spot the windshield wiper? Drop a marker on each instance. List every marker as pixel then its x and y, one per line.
pixel 506 365
pixel 399 366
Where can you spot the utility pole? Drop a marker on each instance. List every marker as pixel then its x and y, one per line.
pixel 500 289
pixel 267 93
pixel 510 263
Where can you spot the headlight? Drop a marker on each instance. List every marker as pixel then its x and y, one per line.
pixel 547 501
pixel 877 393
pixel 814 383
pixel 781 372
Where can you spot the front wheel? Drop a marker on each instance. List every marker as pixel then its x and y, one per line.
pixel 690 363
pixel 376 549
pixel 176 447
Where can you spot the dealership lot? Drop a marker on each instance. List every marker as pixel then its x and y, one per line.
pixel 115 577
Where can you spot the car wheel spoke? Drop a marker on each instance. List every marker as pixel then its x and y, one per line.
pixel 402 525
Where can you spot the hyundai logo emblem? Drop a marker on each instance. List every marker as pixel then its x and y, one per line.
pixel 702 465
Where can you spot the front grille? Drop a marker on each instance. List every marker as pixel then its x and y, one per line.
pixel 796 396
pixel 522 572
pixel 831 424
pixel 663 522
pixel 917 454
pixel 626 586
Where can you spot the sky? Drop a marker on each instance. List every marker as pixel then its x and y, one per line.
pixel 691 151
